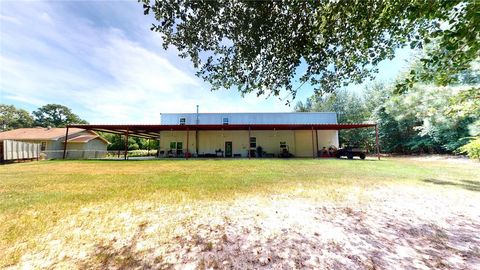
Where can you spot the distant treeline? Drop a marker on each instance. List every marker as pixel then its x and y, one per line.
pixel 425 119
pixel 55 115
pixel 50 115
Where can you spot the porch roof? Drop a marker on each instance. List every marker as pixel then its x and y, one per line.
pixel 152 131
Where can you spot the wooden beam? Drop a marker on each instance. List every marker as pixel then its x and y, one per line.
pixel 65 144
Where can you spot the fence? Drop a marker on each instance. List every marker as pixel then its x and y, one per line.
pixel 73 154
pixel 132 153
pixel 15 150
pixel 95 154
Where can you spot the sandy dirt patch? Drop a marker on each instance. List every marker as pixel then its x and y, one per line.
pixel 393 227
pixel 444 158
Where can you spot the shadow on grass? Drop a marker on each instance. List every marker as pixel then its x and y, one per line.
pixel 146 159
pixel 106 256
pixel 465 184
pixel 376 246
pixel 434 244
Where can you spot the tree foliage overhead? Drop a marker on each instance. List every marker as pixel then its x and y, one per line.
pixel 55 115
pixel 13 118
pixel 258 46
pixel 450 49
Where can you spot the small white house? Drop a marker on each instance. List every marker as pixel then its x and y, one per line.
pixel 222 141
pixel 81 143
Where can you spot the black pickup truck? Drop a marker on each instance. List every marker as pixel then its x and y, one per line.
pixel 350 152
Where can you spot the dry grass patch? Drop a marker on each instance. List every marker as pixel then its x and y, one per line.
pixel 101 214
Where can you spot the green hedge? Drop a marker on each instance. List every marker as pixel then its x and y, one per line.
pixel 472 149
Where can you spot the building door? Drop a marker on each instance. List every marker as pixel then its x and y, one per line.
pixel 228 149
pixel 176 149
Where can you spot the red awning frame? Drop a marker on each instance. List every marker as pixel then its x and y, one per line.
pixel 149 131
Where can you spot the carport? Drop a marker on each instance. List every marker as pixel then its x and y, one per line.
pixel 154 131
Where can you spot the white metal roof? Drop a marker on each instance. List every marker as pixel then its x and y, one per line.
pixel 250 118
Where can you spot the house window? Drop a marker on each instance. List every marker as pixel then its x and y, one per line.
pixel 183 120
pixel 253 142
pixel 283 144
pixel 43 146
pixel 225 120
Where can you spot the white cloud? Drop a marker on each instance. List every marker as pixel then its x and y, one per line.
pixel 99 71
pixel 10 19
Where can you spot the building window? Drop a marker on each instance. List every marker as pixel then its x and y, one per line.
pixel 176 148
pixel 283 144
pixel 253 142
pixel 183 120
pixel 225 120
pixel 176 145
pixel 179 146
pixel 43 146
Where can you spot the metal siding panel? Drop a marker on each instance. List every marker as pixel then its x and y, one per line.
pixel 14 150
pixel 37 150
pixel 32 150
pixel 252 118
pixel 7 150
pixel 326 138
pixel 303 143
pixel 24 150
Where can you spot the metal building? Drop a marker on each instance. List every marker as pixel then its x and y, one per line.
pixel 232 135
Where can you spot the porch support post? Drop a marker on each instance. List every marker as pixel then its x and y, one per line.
pixel 294 140
pixel 313 145
pixel 248 145
pixel 196 141
pixel 65 144
pixel 126 146
pixel 376 141
pixel 186 153
pixel 159 146
pixel 316 138
pixel 148 147
pixel 119 140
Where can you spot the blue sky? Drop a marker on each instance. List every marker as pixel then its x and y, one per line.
pixel 100 59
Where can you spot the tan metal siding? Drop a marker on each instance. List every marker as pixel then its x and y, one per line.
pixel 299 142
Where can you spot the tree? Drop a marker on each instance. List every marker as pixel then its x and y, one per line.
pixel 258 46
pixel 350 108
pixel 117 142
pixel 12 118
pixel 449 51
pixel 55 115
pixel 427 118
pixel 420 120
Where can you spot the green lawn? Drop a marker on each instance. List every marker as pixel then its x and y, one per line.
pixel 35 196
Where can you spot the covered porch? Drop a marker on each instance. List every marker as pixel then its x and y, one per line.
pixel 232 141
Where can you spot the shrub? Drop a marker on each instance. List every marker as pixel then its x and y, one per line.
pixel 472 149
pixel 141 153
